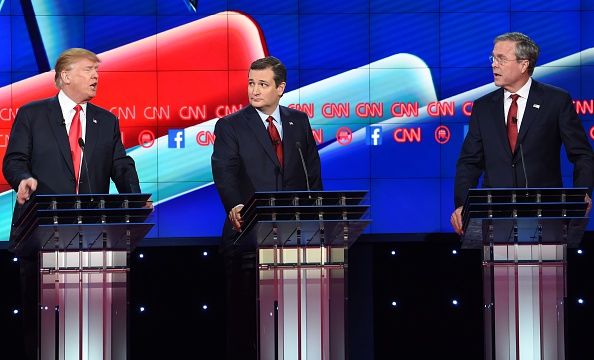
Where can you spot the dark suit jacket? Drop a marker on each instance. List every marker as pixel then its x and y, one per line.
pixel 244 160
pixel 549 120
pixel 39 148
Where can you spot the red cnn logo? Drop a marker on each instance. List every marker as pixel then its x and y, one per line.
pixel 205 138
pixel 403 135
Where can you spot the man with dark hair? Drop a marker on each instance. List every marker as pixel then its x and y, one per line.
pixel 44 157
pixel 520 126
pixel 257 149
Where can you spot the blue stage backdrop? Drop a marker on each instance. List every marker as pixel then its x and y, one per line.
pixel 388 86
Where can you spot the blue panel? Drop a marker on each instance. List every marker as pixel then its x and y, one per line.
pixel 5 7
pixel 333 6
pixel 281 34
pixel 4 79
pixel 182 7
pixel 587 90
pixel 15 7
pixel 417 34
pixel 60 33
pixel 344 44
pixel 5 34
pixel 473 5
pixel 401 155
pixel 104 33
pixel 401 6
pixel 446 204
pixel 458 49
pixel 450 151
pixel 165 23
pixel 121 7
pixel 543 28
pixel 456 80
pixel 587 29
pixel 264 7
pixel 57 7
pixel 549 5
pixel 198 213
pixel 587 5
pixel 405 205
pixel 22 50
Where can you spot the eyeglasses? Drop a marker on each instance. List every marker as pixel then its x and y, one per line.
pixel 501 61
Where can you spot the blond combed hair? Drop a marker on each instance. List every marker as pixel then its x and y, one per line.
pixel 69 57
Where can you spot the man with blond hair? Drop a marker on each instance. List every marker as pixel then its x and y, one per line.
pixel 44 156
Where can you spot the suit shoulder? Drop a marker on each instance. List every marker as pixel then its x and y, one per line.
pixel 99 111
pixel 295 115
pixel 293 112
pixel 553 90
pixel 489 96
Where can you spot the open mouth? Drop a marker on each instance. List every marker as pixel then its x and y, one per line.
pixel 94 86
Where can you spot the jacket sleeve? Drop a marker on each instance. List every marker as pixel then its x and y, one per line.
pixel 123 169
pixel 471 162
pixel 226 164
pixel 17 160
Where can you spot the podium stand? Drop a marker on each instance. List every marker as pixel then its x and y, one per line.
pixel 302 240
pixel 83 242
pixel 524 235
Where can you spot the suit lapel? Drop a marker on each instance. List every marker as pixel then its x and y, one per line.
pixel 92 131
pixel 499 120
pixel 531 112
pixel 257 126
pixel 56 121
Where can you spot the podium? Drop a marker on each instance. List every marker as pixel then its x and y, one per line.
pixel 524 235
pixel 83 243
pixel 302 240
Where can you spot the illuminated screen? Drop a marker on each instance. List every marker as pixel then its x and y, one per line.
pixel 388 86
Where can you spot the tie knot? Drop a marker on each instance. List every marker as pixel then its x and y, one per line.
pixel 514 97
pixel 77 108
pixel 270 119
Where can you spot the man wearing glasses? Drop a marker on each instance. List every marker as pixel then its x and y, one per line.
pixel 520 126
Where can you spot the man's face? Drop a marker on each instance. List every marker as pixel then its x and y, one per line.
pixel 80 80
pixel 509 73
pixel 263 93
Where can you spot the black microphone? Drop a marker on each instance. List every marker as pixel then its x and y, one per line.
pixel 515 120
pixel 523 165
pixel 303 164
pixel 81 143
pixel 63 123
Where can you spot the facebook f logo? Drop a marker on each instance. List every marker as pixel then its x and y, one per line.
pixel 176 138
pixel 374 135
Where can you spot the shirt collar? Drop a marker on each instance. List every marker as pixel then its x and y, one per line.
pixel 67 104
pixel 275 114
pixel 523 92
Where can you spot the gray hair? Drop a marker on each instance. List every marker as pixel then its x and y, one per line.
pixel 526 48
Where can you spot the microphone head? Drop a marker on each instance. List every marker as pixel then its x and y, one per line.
pixel 298 143
pixel 515 120
pixel 81 143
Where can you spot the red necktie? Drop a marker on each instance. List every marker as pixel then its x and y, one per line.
pixel 512 122
pixel 74 134
pixel 276 139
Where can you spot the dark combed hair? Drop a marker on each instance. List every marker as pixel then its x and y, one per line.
pixel 270 62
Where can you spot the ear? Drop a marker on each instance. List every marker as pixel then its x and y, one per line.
pixel 65 77
pixel 525 65
pixel 280 89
